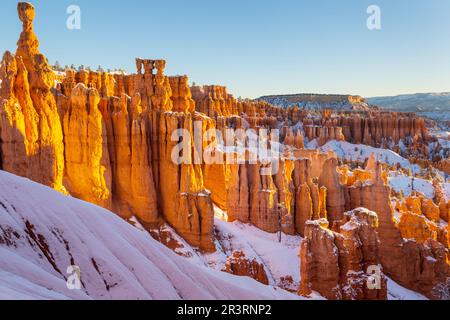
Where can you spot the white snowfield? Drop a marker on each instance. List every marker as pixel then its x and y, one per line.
pixel 43 232
pixel 361 152
pixel 407 185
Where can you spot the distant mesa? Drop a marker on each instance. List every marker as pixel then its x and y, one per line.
pixel 431 105
pixel 414 102
pixel 318 101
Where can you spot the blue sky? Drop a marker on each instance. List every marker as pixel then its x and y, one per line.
pixel 255 47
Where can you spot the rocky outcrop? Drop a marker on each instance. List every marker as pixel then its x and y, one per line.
pixel 420 220
pixel 214 101
pixel 133 185
pixel 87 164
pixel 153 86
pixel 319 266
pixel 294 140
pixel 443 165
pixel 401 258
pixel 336 194
pixel 31 133
pixel 362 255
pixel 375 127
pixel 239 265
pixel 264 210
pixel 286 195
pixel 442 201
pixel 323 133
pixel 184 201
pixel 283 201
pixel 238 193
pixel 181 94
pixel 372 127
pixel 335 264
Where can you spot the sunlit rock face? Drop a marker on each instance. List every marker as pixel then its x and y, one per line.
pixel 184 201
pixel 181 94
pixel 87 163
pixel 31 132
pixel 335 263
pixel 133 189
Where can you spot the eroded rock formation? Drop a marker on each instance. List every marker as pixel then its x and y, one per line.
pixel 338 265
pixel 239 265
pixel 31 133
pixel 87 165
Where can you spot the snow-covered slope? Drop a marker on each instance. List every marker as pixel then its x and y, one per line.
pixel 407 185
pixel 280 259
pixel 42 233
pixel 361 152
pixel 397 292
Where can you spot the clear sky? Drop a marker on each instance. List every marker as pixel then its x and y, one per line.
pixel 255 47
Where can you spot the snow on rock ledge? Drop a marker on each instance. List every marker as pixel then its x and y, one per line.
pixel 360 152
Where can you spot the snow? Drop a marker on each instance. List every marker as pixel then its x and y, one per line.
pixel 313 144
pixel 446 190
pixel 408 184
pixel 360 152
pixel 397 292
pixel 279 259
pixel 43 232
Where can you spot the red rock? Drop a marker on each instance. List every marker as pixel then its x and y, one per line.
pixel 239 265
pixel 31 133
pixel 334 264
pixel 87 163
